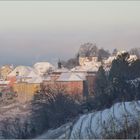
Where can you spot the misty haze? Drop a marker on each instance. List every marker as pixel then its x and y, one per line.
pixel 69 70
pixel 51 30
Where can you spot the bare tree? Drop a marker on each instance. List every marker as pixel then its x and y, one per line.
pixel 135 51
pixel 88 50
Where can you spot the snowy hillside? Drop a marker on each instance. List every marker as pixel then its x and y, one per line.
pixel 100 124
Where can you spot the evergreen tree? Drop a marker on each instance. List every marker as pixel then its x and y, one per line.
pixel 134 69
pixel 121 90
pixel 100 82
pixel 120 67
pixel 118 77
pixel 138 92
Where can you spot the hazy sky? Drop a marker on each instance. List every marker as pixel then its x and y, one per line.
pixel 33 31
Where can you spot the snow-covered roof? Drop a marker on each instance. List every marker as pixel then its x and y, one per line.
pixel 2 82
pixel 7 66
pixel 22 71
pixel 62 70
pixel 33 74
pixel 43 67
pixel 35 80
pixel 32 77
pixel 26 74
pixel 86 68
pixel 81 75
pixel 70 76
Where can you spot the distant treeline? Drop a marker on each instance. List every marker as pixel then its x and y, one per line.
pixel 91 50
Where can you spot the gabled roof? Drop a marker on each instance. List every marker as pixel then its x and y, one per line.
pixel 22 70
pixel 43 67
pixel 33 74
pixel 70 76
pixel 62 70
pixel 86 68
pixel 35 80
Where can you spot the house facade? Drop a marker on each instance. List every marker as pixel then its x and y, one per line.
pixel 26 91
pixel 4 71
pixel 72 83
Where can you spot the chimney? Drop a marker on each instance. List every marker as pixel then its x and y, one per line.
pixel 17 73
pixel 59 64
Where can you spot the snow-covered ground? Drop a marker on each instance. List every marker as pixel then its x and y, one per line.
pixel 12 119
pixel 13 110
pixel 99 124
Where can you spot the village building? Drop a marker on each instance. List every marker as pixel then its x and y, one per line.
pixel 56 73
pixel 27 86
pixel 52 78
pixel 78 84
pixel 68 82
pixel 27 81
pixel 85 60
pixel 21 71
pixel 4 86
pixel 25 90
pixel 87 64
pixel 43 68
pixel 78 81
pixel 72 82
pixel 4 71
